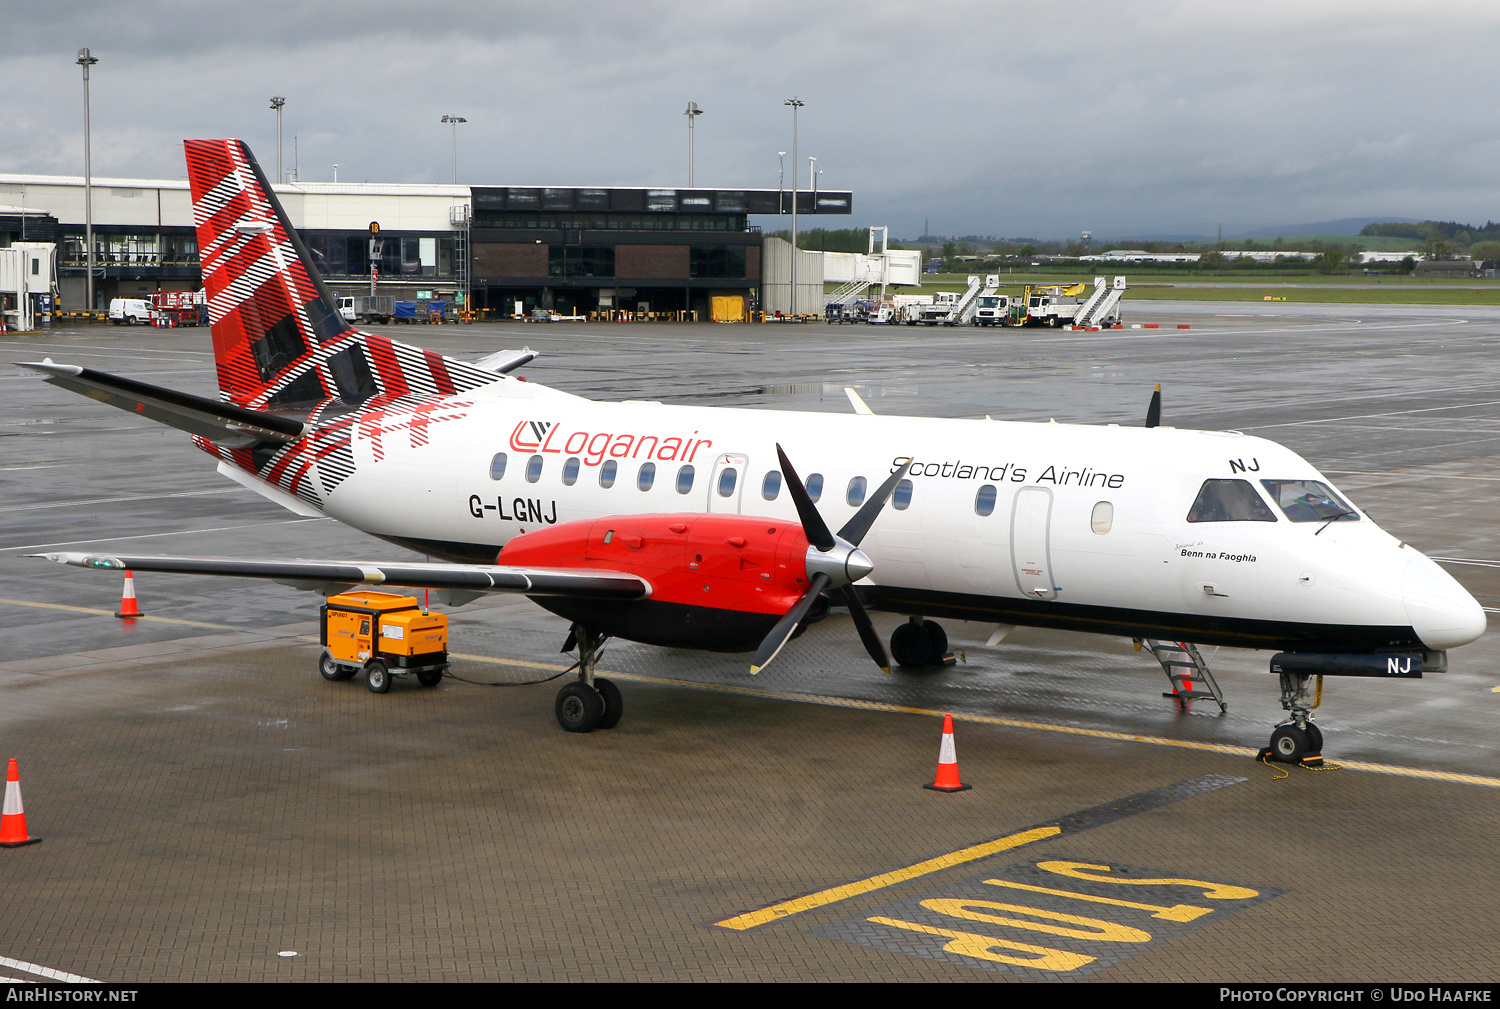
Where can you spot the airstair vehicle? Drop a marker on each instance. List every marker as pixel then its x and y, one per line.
pixel 846 294
pixel 1103 306
pixel 963 312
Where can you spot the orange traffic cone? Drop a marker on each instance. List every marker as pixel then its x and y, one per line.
pixel 128 608
pixel 13 818
pixel 947 769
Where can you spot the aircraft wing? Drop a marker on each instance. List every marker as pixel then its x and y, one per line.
pixel 221 423
pixel 464 579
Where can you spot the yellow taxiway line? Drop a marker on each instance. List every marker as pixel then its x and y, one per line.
pixel 110 613
pixel 834 894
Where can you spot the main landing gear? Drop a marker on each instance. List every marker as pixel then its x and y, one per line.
pixel 920 643
pixel 590 702
pixel 1298 741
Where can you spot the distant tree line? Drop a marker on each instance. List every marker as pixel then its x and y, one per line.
pixel 1445 238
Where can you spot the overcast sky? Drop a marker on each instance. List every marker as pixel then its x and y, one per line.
pixel 1008 118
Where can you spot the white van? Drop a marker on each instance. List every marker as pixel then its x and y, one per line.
pixel 129 312
pixel 346 309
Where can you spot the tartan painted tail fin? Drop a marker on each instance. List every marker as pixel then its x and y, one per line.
pixel 268 307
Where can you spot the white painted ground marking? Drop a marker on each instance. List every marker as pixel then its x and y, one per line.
pixel 47 972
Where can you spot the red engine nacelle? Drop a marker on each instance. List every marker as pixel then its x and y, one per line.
pixel 718 582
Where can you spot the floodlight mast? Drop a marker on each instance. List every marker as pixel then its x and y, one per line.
pixel 86 60
pixel 692 113
pixel 277 102
pixel 454 121
pixel 794 103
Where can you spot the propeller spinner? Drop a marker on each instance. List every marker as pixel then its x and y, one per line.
pixel 833 561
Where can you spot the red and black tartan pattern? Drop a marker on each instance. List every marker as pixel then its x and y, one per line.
pixel 276 335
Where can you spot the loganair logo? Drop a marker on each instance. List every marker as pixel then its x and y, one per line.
pixel 545 436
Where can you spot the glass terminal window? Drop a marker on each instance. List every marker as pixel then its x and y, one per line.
pixel 1229 501
pixel 1308 501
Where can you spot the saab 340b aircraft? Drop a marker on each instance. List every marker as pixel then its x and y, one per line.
pixel 687 526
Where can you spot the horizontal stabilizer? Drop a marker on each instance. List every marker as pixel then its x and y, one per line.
pixel 503 362
pixel 576 584
pixel 223 424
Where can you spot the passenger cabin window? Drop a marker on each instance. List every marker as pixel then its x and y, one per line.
pixel 497 466
pixel 684 479
pixel 770 487
pixel 1229 501
pixel 815 486
pixel 533 469
pixel 855 495
pixel 901 499
pixel 727 478
pixel 984 501
pixel 607 473
pixel 570 471
pixel 1308 501
pixel 1103 517
pixel 647 476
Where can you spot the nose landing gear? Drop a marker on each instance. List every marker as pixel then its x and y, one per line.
pixel 1297 741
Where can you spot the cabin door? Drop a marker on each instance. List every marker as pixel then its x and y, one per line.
pixel 1030 542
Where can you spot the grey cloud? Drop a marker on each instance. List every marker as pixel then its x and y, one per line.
pixel 1008 118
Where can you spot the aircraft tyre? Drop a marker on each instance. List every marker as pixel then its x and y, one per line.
pixel 1289 744
pixel 377 676
pixel 614 704
pixel 431 677
pixel 331 670
pixel 1314 739
pixel 937 638
pixel 579 707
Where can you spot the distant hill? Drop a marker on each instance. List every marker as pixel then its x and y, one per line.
pixel 1347 226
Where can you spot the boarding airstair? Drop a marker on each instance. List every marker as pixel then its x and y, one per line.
pixel 846 293
pixel 963 312
pixel 1183 665
pixel 1103 306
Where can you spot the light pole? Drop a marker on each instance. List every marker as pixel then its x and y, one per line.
pixel 781 184
pixel 276 103
pixel 693 112
pixel 85 60
pixel 812 178
pixel 795 104
pixel 454 121
pixel 335 173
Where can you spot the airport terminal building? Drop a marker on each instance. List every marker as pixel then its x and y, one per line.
pixel 504 249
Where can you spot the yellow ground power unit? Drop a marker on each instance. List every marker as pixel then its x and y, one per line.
pixel 383 635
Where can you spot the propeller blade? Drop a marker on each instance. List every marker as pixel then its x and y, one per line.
pixel 867 632
pixel 854 530
pixel 787 625
pixel 812 523
pixel 1153 412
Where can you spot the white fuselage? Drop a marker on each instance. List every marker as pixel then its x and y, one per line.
pixel 1057 524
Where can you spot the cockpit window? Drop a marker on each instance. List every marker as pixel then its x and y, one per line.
pixel 1229 501
pixel 1308 501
